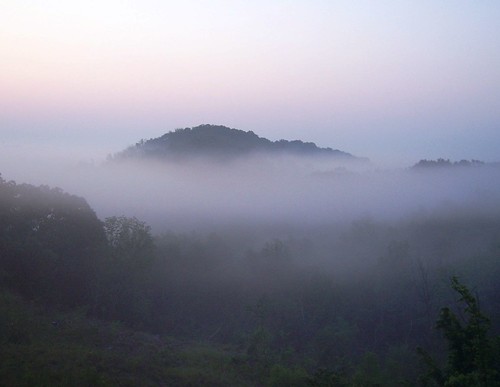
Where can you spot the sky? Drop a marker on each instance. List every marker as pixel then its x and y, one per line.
pixel 394 81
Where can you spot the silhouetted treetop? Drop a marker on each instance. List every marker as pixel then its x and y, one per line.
pixel 446 163
pixel 220 142
pixel 50 243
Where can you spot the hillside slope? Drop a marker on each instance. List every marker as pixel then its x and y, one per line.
pixel 220 142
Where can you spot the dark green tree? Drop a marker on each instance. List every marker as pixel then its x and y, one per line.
pixel 124 287
pixel 130 241
pixel 472 354
pixel 50 244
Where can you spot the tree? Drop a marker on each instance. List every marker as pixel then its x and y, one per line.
pixel 130 242
pixel 50 243
pixel 123 290
pixel 472 355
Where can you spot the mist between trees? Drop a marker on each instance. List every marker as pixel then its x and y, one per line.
pixel 307 270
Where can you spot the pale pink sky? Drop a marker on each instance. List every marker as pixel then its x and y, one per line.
pixel 389 80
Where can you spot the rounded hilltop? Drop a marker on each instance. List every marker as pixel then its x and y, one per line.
pixel 220 142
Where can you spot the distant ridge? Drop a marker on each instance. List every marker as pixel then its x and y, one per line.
pixel 220 142
pixel 446 163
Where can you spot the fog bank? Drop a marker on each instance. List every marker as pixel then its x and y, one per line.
pixel 259 190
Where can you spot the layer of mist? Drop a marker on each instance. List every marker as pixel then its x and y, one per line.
pixel 277 194
pixel 325 259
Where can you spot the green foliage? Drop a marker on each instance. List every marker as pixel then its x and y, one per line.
pixel 369 372
pixel 50 243
pixel 130 241
pixel 124 281
pixel 471 352
pixel 308 322
pixel 259 349
pixel 328 378
pixel 281 376
pixel 43 347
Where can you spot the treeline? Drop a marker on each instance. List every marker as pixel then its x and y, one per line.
pixel 51 244
pixel 219 142
pixel 342 306
pixel 446 163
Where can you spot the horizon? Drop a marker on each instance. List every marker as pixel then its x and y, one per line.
pixel 50 162
pixel 390 82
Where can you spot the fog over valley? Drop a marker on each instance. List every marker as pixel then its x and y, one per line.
pixel 282 255
pixel 202 192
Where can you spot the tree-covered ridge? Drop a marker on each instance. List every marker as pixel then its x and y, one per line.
pixel 220 142
pixel 50 242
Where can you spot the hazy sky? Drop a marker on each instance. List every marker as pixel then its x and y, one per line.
pixel 389 80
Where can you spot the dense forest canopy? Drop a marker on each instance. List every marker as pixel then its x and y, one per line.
pixel 50 243
pixel 328 304
pixel 220 142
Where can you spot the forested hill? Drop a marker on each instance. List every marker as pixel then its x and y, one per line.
pixel 220 142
